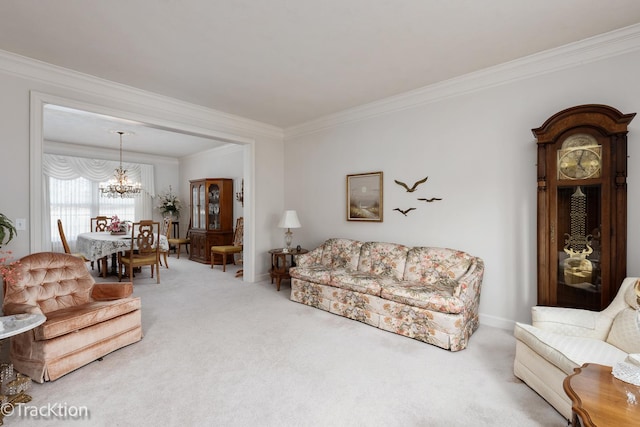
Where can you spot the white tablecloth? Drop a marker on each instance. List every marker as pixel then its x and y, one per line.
pixel 97 245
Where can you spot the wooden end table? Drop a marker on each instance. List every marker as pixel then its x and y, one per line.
pixel 600 399
pixel 280 267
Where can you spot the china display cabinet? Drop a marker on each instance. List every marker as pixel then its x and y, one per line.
pixel 582 206
pixel 211 210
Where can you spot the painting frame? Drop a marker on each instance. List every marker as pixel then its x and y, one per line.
pixel 365 197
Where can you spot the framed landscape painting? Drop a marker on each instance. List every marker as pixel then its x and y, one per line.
pixel 364 197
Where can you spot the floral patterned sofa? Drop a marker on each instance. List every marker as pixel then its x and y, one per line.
pixel 430 294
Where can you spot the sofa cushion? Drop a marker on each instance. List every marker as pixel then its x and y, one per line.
pixel 630 296
pixel 624 332
pixel 70 319
pixel 432 265
pixel 341 253
pixel 383 259
pixel 567 352
pixel 360 281
pixel 62 345
pixel 314 273
pixel 438 296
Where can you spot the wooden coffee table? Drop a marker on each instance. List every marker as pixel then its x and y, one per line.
pixel 600 399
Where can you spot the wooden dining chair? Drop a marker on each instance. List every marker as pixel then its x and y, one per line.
pixel 100 223
pixel 144 249
pixel 65 245
pixel 166 231
pixel 179 242
pixel 226 250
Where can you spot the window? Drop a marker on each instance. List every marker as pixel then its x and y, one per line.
pixel 73 195
pixel 75 202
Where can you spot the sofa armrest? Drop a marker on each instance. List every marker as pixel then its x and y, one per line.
pixel 469 284
pixel 571 321
pixel 310 258
pixel 111 291
pixel 14 308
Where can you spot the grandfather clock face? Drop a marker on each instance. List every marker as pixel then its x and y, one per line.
pixel 580 158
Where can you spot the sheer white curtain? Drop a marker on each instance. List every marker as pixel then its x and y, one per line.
pixel 71 194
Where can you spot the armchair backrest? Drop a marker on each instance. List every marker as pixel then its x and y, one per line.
pixel 238 235
pixel 50 281
pixel 166 226
pixel 63 238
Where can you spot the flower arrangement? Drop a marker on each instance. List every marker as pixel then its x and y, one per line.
pixel 168 203
pixel 8 268
pixel 117 226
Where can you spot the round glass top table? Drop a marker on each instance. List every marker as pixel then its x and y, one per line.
pixel 13 386
pixel 19 323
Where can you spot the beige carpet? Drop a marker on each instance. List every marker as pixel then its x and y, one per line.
pixel 221 352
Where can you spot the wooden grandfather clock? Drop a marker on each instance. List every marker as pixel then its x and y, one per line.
pixel 582 206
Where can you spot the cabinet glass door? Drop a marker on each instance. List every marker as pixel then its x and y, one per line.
pixel 201 206
pixel 194 207
pixel 214 207
pixel 578 245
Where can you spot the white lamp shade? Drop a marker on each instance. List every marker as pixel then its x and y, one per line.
pixel 289 220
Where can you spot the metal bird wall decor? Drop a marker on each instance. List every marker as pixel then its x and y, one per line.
pixel 404 212
pixel 414 187
pixel 433 199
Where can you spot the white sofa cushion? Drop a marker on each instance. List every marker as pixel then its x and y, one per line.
pixel 624 332
pixel 573 322
pixel 568 352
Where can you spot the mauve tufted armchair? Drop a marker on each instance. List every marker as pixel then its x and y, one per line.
pixel 85 320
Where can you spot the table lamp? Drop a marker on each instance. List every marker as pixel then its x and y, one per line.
pixel 289 220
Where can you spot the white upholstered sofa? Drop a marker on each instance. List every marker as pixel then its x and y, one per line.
pixel 561 339
pixel 426 293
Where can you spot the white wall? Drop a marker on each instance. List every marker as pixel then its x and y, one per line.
pixel 479 153
pixel 21 77
pixel 476 147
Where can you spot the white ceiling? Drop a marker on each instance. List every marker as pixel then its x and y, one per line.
pixel 61 124
pixel 286 62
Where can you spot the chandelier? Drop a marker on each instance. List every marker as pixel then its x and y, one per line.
pixel 119 185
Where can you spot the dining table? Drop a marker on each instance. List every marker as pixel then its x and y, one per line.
pixel 96 245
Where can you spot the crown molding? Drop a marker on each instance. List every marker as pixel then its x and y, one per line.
pixel 592 49
pixel 222 150
pixel 75 150
pixel 24 67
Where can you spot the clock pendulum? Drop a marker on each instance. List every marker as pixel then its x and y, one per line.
pixel 577 268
